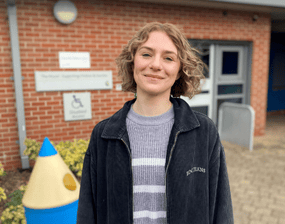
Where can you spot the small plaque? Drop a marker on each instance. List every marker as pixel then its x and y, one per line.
pixel 119 87
pixel 77 106
pixel 74 59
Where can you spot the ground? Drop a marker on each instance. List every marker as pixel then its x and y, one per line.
pixel 257 177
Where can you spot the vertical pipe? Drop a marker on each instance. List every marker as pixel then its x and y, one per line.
pixel 12 16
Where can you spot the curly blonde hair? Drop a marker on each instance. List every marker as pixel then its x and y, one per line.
pixel 192 67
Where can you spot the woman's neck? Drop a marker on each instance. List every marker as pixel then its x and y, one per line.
pixel 151 106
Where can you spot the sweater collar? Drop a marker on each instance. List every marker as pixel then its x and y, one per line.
pixel 184 119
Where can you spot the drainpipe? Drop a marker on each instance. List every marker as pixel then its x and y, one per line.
pixel 12 16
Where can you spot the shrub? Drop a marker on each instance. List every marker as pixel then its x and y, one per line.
pixel 33 148
pixel 16 196
pixel 2 194
pixel 2 171
pixel 14 213
pixel 72 153
pixel 2 191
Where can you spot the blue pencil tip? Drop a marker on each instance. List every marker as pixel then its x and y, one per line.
pixel 47 149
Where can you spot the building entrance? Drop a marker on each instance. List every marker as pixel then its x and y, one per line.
pixel 227 77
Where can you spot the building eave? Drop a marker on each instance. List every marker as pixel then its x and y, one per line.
pixel 277 13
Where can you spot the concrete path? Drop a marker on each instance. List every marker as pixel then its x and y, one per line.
pixel 257 178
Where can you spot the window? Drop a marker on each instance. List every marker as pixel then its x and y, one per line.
pixel 230 63
pixel 229 89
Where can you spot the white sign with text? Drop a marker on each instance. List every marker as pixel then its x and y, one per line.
pixel 74 59
pixel 76 80
pixel 77 106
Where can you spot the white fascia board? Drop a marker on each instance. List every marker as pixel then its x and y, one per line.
pixel 271 3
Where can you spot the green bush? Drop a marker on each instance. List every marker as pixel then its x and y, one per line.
pixel 72 153
pixel 14 213
pixel 2 194
pixel 2 191
pixel 33 148
pixel 16 197
pixel 2 171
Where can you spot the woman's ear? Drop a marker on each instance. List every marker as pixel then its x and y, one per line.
pixel 180 72
pixel 178 75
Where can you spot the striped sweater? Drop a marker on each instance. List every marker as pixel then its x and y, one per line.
pixel 148 140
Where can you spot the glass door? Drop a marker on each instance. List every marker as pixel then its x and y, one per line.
pixel 230 76
pixel 227 76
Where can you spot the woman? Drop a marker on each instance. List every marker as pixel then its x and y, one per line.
pixel 156 160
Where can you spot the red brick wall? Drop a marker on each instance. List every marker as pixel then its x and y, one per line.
pixel 103 28
pixel 9 149
pixel 278 112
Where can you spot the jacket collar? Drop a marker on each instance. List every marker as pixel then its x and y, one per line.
pixel 184 119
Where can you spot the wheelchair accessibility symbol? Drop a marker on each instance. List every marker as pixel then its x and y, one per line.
pixel 76 103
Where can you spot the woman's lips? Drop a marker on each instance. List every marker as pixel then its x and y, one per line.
pixel 153 76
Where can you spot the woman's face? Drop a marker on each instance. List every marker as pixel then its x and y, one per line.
pixel 156 65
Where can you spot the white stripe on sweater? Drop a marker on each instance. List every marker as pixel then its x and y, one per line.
pixel 148 162
pixel 149 214
pixel 149 189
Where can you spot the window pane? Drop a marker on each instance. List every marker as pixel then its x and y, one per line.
pixel 230 63
pixel 203 110
pixel 278 73
pixel 229 89
pixel 205 56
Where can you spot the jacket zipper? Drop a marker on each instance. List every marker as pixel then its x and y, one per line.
pixel 167 169
pixel 132 175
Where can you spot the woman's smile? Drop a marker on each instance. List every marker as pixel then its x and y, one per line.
pixel 153 77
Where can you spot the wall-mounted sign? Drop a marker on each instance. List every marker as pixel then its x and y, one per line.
pixel 65 81
pixel 77 106
pixel 74 59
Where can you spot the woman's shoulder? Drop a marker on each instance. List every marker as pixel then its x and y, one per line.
pixel 99 127
pixel 203 118
pixel 109 123
pixel 206 123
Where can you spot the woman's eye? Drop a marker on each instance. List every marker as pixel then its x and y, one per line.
pixel 146 55
pixel 169 59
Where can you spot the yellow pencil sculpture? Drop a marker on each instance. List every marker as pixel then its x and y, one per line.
pixel 53 191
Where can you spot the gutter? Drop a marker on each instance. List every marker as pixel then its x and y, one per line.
pixel 15 49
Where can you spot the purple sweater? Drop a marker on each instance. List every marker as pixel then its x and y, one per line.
pixel 148 140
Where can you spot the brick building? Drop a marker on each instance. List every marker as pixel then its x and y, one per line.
pixel 220 30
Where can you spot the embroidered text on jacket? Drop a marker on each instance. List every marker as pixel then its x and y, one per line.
pixel 196 169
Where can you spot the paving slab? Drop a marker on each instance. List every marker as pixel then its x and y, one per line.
pixel 257 178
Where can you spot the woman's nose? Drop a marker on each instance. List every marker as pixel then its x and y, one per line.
pixel 155 64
